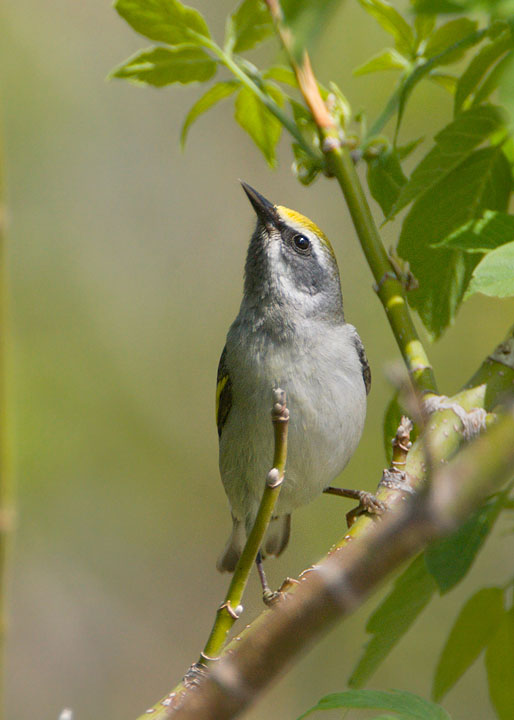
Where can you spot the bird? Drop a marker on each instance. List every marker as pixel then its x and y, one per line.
pixel 290 333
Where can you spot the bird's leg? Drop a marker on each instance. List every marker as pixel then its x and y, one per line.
pixel 368 503
pixel 269 596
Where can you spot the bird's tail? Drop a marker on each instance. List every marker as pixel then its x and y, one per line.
pixel 275 542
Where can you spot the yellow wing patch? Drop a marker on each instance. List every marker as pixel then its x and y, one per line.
pixel 300 219
pixel 219 389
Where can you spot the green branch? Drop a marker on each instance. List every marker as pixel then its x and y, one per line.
pixel 229 611
pixel 388 287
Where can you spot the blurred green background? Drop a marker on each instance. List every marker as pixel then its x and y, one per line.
pixel 125 263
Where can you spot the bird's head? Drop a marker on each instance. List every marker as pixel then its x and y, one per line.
pixel 290 263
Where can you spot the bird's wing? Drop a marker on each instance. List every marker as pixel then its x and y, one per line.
pixel 366 372
pixel 223 393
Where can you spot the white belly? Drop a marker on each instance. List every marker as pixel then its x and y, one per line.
pixel 327 403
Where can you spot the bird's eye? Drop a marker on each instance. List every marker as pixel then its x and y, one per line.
pixel 301 243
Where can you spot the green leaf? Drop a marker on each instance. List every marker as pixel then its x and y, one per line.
pixel 406 704
pixel 493 80
pixel 410 594
pixel 447 35
pixel 282 74
pixel 421 69
pixel 393 23
pixel 479 66
pixel 217 92
pixel 475 624
pixel 249 25
pixel 449 560
pixel 490 231
pixel 162 66
pixel 481 181
pixel 385 179
pixel 387 59
pixel 437 7
pixel 494 275
pixel 499 663
pixel 453 144
pixel 423 25
pixel 448 82
pixel 262 126
pixel 167 21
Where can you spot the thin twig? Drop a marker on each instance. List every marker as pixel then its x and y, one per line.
pixel 231 608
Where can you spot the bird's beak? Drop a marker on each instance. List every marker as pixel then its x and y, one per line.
pixel 266 211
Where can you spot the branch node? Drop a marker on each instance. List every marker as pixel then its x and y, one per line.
pixel 274 478
pixel 233 613
pixel 330 143
pixel 395 479
pixel 401 442
pixel 389 275
pixel 473 421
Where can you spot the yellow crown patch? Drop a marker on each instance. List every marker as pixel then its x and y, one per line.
pixel 297 217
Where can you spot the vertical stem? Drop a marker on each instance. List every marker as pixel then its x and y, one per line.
pixel 388 287
pixel 228 612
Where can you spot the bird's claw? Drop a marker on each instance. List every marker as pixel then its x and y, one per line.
pixel 368 503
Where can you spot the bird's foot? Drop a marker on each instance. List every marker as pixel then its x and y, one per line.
pixel 368 504
pixel 272 597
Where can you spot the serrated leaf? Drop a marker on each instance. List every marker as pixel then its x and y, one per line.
pixel 410 594
pixel 387 59
pixel 478 68
pixel 163 66
pixel 262 126
pixel 494 274
pixel 249 25
pixel 447 35
pixel 166 21
pixel 449 560
pixel 214 94
pixel 453 144
pixel 490 231
pixel 473 628
pixel 482 181
pixel 405 704
pixel 393 23
pixel 499 663
pixel 385 179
